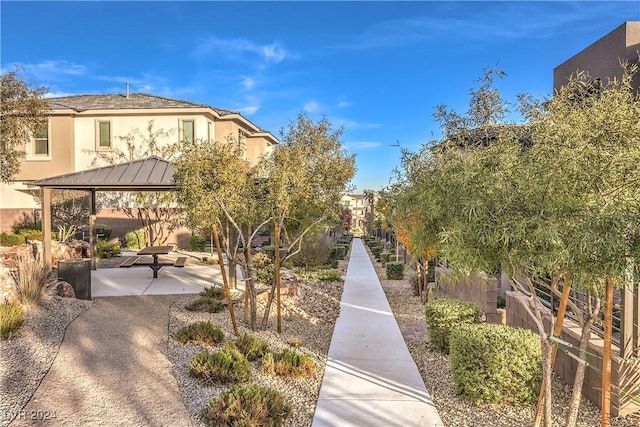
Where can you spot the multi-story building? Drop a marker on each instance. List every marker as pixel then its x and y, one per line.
pixel 79 126
pixel 356 204
pixel 602 58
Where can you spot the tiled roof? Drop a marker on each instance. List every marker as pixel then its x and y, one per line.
pixel 148 174
pixel 121 102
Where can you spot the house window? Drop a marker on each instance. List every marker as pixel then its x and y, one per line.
pixel 188 130
pixel 104 134
pixel 210 131
pixel 41 141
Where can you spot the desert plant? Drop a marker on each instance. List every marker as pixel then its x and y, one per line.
pixel 30 277
pixel 270 250
pixel 105 249
pixel 289 364
pixel 395 270
pixel 328 276
pixel 11 319
pixel 200 333
pixel 314 252
pixel 197 243
pixel 11 239
pixel 66 232
pixel 252 347
pixel 205 304
pixel 443 315
pixel 247 405
pixel 224 366
pixel 135 239
pixel 216 292
pixel 495 363
pixel 265 270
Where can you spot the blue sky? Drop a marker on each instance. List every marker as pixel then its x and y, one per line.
pixel 378 69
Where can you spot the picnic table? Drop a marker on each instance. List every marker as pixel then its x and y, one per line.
pixel 155 264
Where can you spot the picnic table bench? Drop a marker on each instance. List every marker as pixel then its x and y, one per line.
pixel 155 264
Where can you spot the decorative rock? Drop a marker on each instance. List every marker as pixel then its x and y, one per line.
pixel 61 288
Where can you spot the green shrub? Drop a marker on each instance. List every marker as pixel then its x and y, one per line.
pixel 30 278
pixel 11 318
pixel 329 276
pixel 252 347
pixel 29 234
pixel 315 251
pixel 384 257
pixel 200 333
pixel 375 250
pixel 27 225
pixel 247 406
pixel 105 249
pixel 104 231
pixel 265 269
pixel 205 304
pixel 216 292
pixel 222 367
pixel 395 270
pixel 289 364
pixel 270 250
pixel 10 239
pixel 496 363
pixel 268 365
pixel 338 252
pixel 197 243
pixel 443 315
pixel 135 239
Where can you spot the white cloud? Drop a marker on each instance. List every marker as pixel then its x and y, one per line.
pixel 53 70
pixel 251 109
pixel 343 104
pixel 57 94
pixel 363 145
pixel 312 107
pixel 240 49
pixel 352 124
pixel 248 82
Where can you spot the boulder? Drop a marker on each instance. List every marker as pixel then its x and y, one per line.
pixel 61 288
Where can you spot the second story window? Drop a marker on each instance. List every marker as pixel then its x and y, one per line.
pixel 104 134
pixel 41 141
pixel 188 130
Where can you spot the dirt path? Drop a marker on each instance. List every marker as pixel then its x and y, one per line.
pixel 111 370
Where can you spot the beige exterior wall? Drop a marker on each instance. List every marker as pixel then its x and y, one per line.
pixel 601 59
pixel 61 155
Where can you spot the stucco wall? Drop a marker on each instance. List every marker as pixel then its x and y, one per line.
pixel 479 289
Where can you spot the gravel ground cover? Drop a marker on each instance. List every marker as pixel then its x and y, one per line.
pixel 26 358
pixel 454 410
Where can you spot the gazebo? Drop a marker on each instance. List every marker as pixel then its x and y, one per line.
pixel 149 174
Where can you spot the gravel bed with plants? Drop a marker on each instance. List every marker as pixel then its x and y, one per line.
pixel 455 410
pixel 308 319
pixel 26 358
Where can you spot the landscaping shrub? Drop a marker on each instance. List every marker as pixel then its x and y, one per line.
pixel 375 250
pixel 395 270
pixel 27 226
pixel 11 319
pixel 338 252
pixel 270 250
pixel 288 364
pixel 103 231
pixel 443 315
pixel 329 276
pixel 105 249
pixel 495 363
pixel 29 234
pixel 200 333
pixel 216 292
pixel 316 251
pixel 384 257
pixel 197 243
pixel 205 304
pixel 10 239
pixel 224 366
pixel 265 269
pixel 247 405
pixel 135 239
pixel 252 347
pixel 30 278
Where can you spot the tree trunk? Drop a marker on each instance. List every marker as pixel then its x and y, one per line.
pixel 574 404
pixel 547 370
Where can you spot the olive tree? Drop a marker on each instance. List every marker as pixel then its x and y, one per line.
pixel 23 111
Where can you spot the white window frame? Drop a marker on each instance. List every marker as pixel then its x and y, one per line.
pixel 181 127
pixel 31 147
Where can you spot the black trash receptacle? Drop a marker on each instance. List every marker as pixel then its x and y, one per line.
pixel 77 272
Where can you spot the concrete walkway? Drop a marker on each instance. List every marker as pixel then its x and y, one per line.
pixel 371 379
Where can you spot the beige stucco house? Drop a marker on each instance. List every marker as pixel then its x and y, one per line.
pixel 83 124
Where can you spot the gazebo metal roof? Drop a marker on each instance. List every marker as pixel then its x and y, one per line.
pixel 149 174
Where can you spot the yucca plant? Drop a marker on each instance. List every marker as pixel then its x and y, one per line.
pixel 30 278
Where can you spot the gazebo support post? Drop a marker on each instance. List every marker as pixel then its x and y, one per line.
pixel 45 197
pixel 92 228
